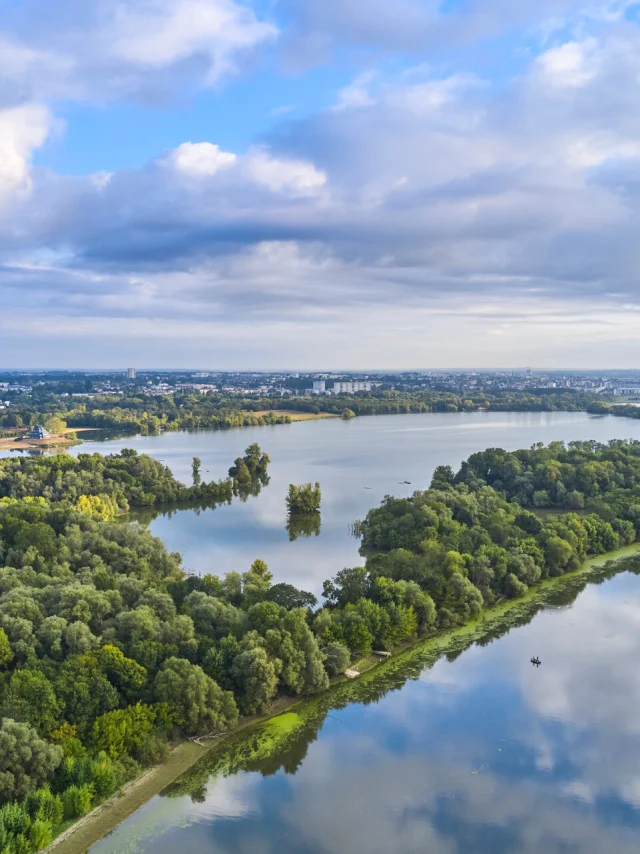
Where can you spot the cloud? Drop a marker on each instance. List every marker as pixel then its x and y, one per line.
pixel 22 130
pixel 145 50
pixel 504 211
pixel 427 27
pixel 570 65
pixel 200 159
pixel 297 177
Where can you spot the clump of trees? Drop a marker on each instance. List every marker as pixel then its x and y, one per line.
pixel 304 499
pixel 252 466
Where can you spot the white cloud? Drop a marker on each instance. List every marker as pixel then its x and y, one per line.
pixel 200 159
pixel 113 49
pixel 296 177
pixel 570 65
pixel 157 33
pixel 22 129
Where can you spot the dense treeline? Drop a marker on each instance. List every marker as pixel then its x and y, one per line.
pixel 150 414
pixel 113 484
pixel 470 541
pixel 108 650
pixel 622 410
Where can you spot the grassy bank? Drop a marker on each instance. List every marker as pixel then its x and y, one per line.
pixel 270 733
pixel 295 415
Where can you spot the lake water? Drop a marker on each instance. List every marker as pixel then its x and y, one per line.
pixel 482 754
pixel 356 462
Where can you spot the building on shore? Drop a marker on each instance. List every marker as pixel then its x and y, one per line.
pixel 37 432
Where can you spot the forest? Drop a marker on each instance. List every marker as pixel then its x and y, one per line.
pixel 115 483
pixel 109 651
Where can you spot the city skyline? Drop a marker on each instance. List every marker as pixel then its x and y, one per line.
pixel 344 182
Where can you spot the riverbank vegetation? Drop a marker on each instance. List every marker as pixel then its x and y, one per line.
pixel 138 412
pixel 108 650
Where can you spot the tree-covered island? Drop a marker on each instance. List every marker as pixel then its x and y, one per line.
pixel 108 650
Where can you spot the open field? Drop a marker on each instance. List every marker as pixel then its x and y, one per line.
pixel 297 416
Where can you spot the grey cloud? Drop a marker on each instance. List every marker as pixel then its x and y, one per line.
pixel 419 27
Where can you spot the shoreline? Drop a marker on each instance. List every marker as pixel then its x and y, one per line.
pixel 51 443
pixel 106 817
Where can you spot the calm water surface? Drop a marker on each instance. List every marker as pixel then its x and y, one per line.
pixel 357 463
pixel 481 755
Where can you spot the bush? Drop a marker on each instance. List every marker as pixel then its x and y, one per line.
pixel 77 800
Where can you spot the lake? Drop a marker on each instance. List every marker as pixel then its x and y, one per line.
pixel 480 754
pixel 356 462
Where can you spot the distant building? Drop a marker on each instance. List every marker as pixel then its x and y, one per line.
pixel 319 386
pixel 37 432
pixel 351 387
pixel 131 373
pixel 627 390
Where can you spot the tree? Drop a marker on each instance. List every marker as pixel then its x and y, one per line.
pixel 196 465
pixel 55 424
pixel 31 699
pixel 6 653
pixel 304 499
pixel 26 760
pixel 290 597
pixel 256 582
pixel 347 414
pixel 77 800
pixel 336 658
pixel 443 477
pixel 256 680
pixel 349 586
pixel 201 705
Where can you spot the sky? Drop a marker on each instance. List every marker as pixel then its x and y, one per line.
pixel 352 184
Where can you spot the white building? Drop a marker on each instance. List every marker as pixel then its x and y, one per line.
pixel 319 386
pixel 628 391
pixel 131 373
pixel 351 387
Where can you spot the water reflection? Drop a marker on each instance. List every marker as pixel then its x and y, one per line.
pixel 473 752
pixel 304 526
